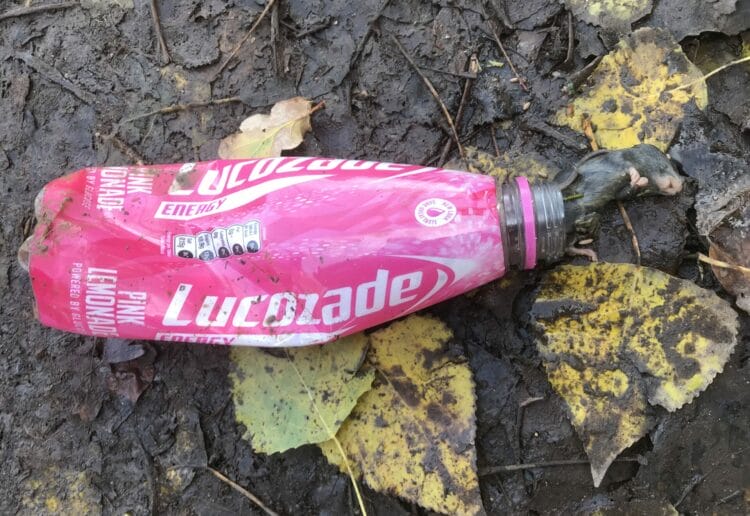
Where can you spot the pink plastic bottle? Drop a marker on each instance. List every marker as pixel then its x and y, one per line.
pixel 277 251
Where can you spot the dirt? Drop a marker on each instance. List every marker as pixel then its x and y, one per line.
pixel 68 80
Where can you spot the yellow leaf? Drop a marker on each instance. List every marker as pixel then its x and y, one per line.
pixel 412 434
pixel 265 136
pixel 528 164
pixel 275 407
pixel 610 14
pixel 630 101
pixel 60 491
pixel 618 337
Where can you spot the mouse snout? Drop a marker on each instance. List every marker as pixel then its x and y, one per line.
pixel 669 185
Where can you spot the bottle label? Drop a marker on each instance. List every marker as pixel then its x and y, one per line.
pixel 268 252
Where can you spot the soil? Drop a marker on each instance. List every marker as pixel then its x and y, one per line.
pixel 71 437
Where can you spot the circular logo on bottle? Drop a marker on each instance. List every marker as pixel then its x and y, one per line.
pixel 435 212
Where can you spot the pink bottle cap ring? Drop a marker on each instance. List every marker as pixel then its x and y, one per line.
pixel 529 223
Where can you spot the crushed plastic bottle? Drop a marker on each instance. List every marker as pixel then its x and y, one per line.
pixel 276 251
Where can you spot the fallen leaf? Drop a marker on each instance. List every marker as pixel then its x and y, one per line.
pixel 265 136
pixel 412 434
pixel 275 407
pixel 510 165
pixel 634 97
pixel 730 243
pixel 616 338
pixel 722 205
pixel 693 17
pixel 60 491
pixel 610 14
pixel 130 379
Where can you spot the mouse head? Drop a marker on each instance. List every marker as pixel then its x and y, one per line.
pixel 651 163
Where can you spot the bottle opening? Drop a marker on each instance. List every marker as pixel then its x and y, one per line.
pixel 531 223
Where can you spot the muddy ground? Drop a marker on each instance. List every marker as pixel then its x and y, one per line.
pixel 69 443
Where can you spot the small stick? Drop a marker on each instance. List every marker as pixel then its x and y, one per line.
pixel 462 75
pixel 494 140
pixel 549 464
pixel 54 75
pixel 275 38
pixel 473 68
pixel 247 494
pixel 694 481
pixel 709 74
pixel 545 129
pixel 263 14
pixel 25 11
pixel 121 146
pixel 174 108
pixel 571 40
pixel 434 93
pixel 159 35
pixel 507 58
pixel 588 130
pixel 724 265
pixel 577 78
pixel 633 237
pixel 733 494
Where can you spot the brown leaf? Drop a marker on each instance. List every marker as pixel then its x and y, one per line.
pixel 265 136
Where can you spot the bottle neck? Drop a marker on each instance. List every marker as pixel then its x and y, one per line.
pixel 531 223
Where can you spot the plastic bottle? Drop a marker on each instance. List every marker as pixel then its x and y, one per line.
pixel 277 251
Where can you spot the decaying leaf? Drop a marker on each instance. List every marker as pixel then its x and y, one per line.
pixel 412 434
pixel 730 243
pixel 722 206
pixel 610 14
pixel 634 97
pixel 272 403
pixel 528 164
pixel 693 17
pixel 616 338
pixel 265 136
pixel 60 491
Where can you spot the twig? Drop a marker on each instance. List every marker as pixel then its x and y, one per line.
pixel 549 464
pixel 275 38
pixel 494 140
pixel 724 265
pixel 709 74
pixel 53 75
pixel 241 490
pixel 577 78
pixel 121 146
pixel 545 129
pixel 174 108
pixel 365 39
pixel 25 11
pixel 633 237
pixel 733 494
pixel 474 69
pixel 507 58
pixel 694 481
pixel 159 35
pixel 434 93
pixel 262 15
pixel 571 41
pixel 588 130
pixel 462 75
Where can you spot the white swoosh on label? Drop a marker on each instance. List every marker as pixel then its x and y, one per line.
pixel 241 197
pixel 461 267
